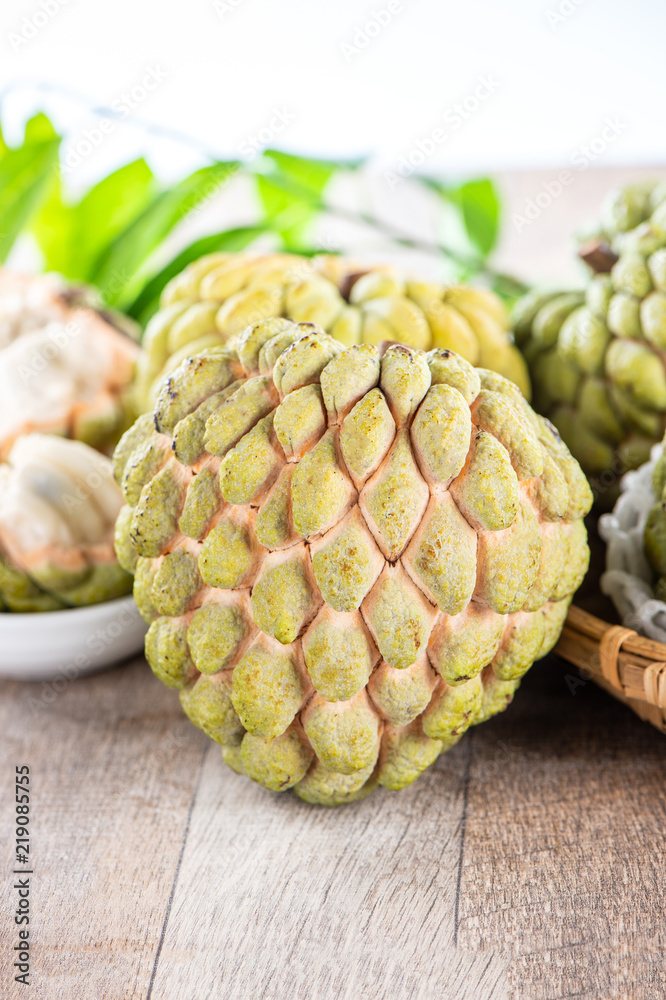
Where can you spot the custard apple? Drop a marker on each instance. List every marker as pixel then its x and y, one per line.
pixel 633 219
pixel 655 525
pixel 346 558
pixel 58 507
pixel 596 357
pixel 66 367
pixel 216 297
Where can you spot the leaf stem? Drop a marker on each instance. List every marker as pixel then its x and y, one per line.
pixel 507 283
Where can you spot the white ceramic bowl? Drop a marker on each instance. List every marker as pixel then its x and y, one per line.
pixel 69 644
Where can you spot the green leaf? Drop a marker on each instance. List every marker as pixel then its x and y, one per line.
pixel 25 176
pixel 108 209
pixel 509 288
pixel 480 207
pixel 116 270
pixel 147 301
pixel 311 171
pixel 51 228
pixel 38 129
pixel 310 251
pixel 288 213
pixel 72 237
pixel 478 204
pixel 290 190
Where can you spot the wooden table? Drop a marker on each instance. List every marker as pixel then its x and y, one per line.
pixel 528 863
pixel 531 854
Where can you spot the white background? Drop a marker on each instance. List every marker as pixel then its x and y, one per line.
pixel 556 73
pixel 560 68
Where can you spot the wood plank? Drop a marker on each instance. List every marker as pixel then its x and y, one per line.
pixel 561 867
pixel 113 767
pixel 564 859
pixel 279 899
pixel 529 861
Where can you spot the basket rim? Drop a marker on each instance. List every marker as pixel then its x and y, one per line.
pixel 594 627
pixel 629 666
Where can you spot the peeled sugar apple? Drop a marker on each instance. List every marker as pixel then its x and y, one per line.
pixel 217 297
pixel 58 506
pixel 346 559
pixel 65 367
pixel 597 357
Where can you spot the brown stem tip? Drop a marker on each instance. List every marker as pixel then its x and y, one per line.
pixel 598 256
pixel 348 283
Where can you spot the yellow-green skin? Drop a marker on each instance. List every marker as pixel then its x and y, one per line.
pixel 52 587
pixel 97 417
pixel 215 298
pixel 596 357
pixel 363 559
pixel 51 570
pixel 655 527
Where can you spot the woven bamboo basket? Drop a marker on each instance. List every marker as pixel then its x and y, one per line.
pixel 628 666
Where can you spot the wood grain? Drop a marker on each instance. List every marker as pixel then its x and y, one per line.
pixel 279 899
pixel 564 857
pixel 529 863
pixel 113 770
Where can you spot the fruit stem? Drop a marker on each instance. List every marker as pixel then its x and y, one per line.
pixel 598 256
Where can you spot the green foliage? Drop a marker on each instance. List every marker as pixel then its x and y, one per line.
pixel 290 190
pixel 480 208
pixel 117 270
pixel 73 236
pixel 478 204
pixel 26 175
pixel 231 240
pixel 113 235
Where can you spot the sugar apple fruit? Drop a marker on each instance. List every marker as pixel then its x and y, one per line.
pixel 633 219
pixel 346 558
pixel 597 357
pixel 655 525
pixel 58 507
pixel 216 297
pixel 66 367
